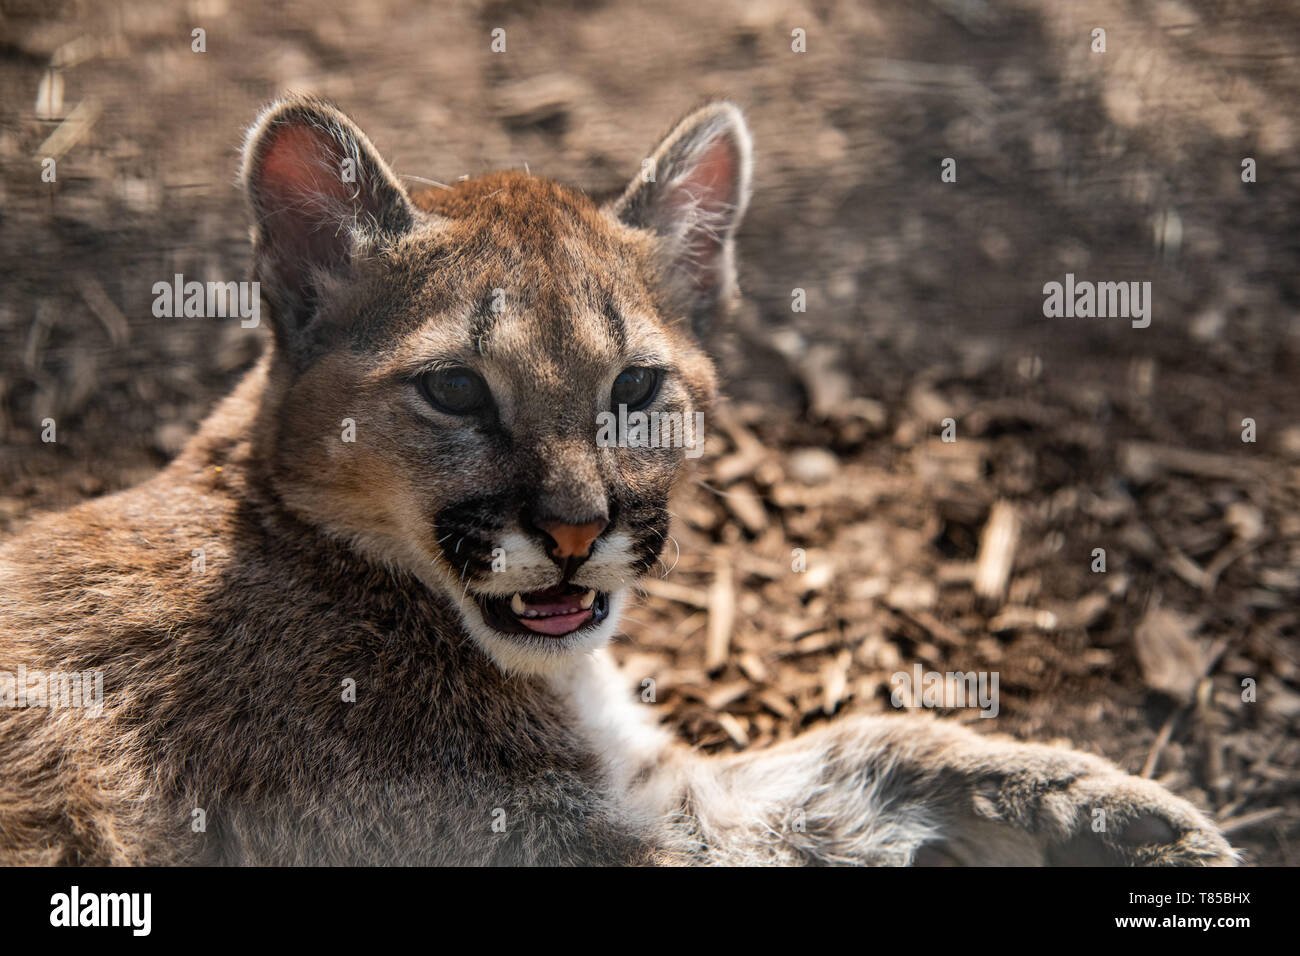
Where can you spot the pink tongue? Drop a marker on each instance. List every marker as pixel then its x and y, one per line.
pixel 556 624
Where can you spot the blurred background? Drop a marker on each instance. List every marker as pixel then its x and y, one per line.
pixel 923 300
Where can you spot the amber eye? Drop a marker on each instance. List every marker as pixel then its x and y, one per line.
pixel 457 390
pixel 635 387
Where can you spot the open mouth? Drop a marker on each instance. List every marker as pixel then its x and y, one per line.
pixel 556 611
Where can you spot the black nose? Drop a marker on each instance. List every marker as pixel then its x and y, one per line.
pixel 569 542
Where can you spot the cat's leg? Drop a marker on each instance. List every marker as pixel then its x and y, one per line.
pixel 908 790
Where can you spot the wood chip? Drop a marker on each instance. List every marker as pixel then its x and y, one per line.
pixel 740 464
pixel 749 451
pixel 913 594
pixel 1014 618
pixel 777 703
pixel 748 509
pixel 1248 820
pixel 724 695
pixel 671 591
pixel 1086 611
pixel 955 573
pixel 722 613
pixel 70 131
pixel 752 666
pixel 997 554
pixel 813 466
pixel 1186 569
pixel 735 730
pixel 824 380
pixel 1172 661
pixel 921 624
pixel 1143 461
pixel 835 681
pixel 817 644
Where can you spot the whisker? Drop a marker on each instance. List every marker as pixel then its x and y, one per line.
pixel 675 559
pixel 708 487
pixel 421 179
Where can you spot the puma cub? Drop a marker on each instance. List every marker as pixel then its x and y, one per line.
pixel 361 618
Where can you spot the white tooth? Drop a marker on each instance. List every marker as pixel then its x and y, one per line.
pixel 589 598
pixel 517 603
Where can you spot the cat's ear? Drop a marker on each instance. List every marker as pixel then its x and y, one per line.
pixel 692 193
pixel 320 193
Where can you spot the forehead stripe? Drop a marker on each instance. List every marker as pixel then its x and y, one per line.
pixel 482 321
pixel 614 325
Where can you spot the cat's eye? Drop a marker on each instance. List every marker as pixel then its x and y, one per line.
pixel 456 390
pixel 635 387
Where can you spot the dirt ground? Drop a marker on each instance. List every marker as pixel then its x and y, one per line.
pixel 924 302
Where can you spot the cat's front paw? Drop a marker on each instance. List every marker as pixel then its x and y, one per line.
pixel 1128 821
pixel 1083 811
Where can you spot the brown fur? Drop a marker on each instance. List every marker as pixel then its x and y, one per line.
pixel 223 688
pixel 228 601
pixel 222 692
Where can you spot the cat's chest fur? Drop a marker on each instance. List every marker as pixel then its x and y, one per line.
pixel 371 699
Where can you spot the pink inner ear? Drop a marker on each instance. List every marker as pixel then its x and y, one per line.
pixel 715 175
pixel 300 188
pixel 299 164
pixel 712 179
pixel 712 184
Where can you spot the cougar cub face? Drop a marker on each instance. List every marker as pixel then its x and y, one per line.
pixel 458 377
